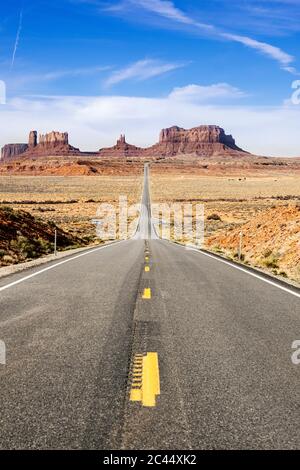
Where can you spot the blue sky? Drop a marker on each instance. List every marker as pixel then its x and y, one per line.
pixel 97 68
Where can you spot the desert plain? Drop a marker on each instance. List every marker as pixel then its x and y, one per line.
pixel 264 206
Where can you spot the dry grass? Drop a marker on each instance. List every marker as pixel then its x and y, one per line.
pixel 232 203
pixel 234 200
pixel 69 202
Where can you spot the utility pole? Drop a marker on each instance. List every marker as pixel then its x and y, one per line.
pixel 240 246
pixel 55 242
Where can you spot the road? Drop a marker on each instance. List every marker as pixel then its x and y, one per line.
pixel 223 338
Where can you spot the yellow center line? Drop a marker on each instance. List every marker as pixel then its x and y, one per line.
pixel 135 394
pixel 147 269
pixel 147 295
pixel 148 387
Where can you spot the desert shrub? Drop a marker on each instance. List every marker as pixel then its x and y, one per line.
pixel 30 248
pixel 7 209
pixel 75 246
pixel 9 212
pixel 217 249
pixel 88 238
pixel 213 217
pixel 270 261
pixel 283 274
pixel 45 245
pixel 267 253
pixel 241 257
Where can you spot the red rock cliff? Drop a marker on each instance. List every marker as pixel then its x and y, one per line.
pixel 201 141
pixel 11 151
pixel 54 143
pixel 51 144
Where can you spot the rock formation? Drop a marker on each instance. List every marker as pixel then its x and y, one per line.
pixel 201 141
pixel 32 139
pixel 121 149
pixel 54 139
pixel 11 151
pixel 122 140
pixel 52 144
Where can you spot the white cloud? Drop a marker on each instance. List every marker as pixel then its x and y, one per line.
pixel 141 70
pixel 199 93
pixel 167 9
pixel 95 122
pixel 291 70
pixel 274 52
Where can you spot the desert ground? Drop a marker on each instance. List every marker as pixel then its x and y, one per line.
pixel 68 202
pixel 265 208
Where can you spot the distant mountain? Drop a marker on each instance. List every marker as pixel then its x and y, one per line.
pixel 199 141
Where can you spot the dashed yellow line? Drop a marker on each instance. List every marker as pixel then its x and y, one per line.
pixel 145 386
pixel 147 294
pixel 147 269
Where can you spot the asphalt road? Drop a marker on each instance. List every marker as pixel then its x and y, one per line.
pixel 223 338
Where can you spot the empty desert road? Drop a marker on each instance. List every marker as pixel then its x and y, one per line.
pixel 223 338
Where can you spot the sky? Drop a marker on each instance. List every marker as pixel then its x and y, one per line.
pixel 99 68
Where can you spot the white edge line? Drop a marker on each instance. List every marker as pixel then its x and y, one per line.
pixel 250 273
pixel 7 286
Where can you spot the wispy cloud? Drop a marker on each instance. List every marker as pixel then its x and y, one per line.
pixel 56 75
pixel 17 38
pixel 142 70
pixel 167 9
pixel 77 72
pixel 282 57
pixel 201 93
pixel 271 17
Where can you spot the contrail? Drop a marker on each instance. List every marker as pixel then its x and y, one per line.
pixel 17 38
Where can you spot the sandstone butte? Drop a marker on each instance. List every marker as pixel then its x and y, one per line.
pixel 199 141
pixel 204 150
pixel 54 143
